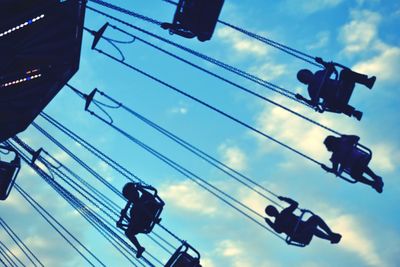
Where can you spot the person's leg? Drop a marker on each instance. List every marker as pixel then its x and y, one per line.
pixel 377 183
pixel 324 232
pixel 131 234
pixel 350 76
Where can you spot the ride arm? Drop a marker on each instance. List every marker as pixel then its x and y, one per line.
pixel 293 204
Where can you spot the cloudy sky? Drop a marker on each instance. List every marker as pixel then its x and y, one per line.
pixel 361 34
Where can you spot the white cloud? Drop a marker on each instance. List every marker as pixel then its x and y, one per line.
pixel 385 158
pixel 360 32
pixel 294 131
pixel 322 40
pixel 311 6
pixel 355 239
pixel 269 71
pixel 239 255
pixel 361 35
pixel 229 248
pixel 207 262
pixel 187 196
pixel 241 43
pixel 179 110
pixel 386 64
pixel 234 157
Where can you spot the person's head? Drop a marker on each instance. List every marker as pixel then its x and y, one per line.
pixel 305 76
pixel 130 192
pixel 271 211
pixel 331 142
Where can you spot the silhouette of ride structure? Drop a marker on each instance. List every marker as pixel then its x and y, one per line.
pixel 141 212
pixel 195 18
pixel 8 171
pixel 332 95
pixel 40 51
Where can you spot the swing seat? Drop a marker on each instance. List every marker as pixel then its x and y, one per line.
pixel 196 18
pixel 342 98
pixel 181 257
pixel 153 207
pixel 8 174
pixel 357 161
pixel 291 239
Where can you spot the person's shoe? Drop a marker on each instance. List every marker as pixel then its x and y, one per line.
pixel 140 252
pixel 370 83
pixel 357 114
pixel 335 238
pixel 378 186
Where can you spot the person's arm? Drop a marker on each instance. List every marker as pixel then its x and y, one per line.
pixel 272 225
pixel 293 204
pixel 329 66
pixel 308 101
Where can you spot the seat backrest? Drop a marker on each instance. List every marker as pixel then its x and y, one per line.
pixel 198 16
pixel 358 158
pixel 8 174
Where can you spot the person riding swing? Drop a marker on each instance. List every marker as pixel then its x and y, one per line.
pixel 332 95
pixel 297 230
pixel 352 158
pixel 144 210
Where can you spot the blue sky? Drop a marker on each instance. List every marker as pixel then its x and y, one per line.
pixel 361 34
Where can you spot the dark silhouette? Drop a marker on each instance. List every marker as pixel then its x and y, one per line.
pixel 332 95
pixel 40 51
pixel 182 258
pixel 195 18
pixel 144 211
pixel 295 228
pixel 8 173
pixel 352 158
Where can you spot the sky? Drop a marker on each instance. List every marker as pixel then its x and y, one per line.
pixel 360 34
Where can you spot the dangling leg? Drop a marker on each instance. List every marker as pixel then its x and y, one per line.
pixel 377 183
pixel 131 234
pixel 351 111
pixel 315 221
pixel 355 77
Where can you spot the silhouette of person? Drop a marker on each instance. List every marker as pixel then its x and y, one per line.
pixel 139 215
pixel 298 230
pixel 332 95
pixel 346 155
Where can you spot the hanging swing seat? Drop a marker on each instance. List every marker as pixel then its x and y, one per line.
pixel 39 51
pixel 340 99
pixel 182 258
pixel 294 239
pixel 195 18
pixel 153 208
pixel 8 173
pixel 356 162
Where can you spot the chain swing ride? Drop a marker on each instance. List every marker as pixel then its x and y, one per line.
pixel 41 43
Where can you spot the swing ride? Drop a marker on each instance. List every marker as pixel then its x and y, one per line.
pixel 41 44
